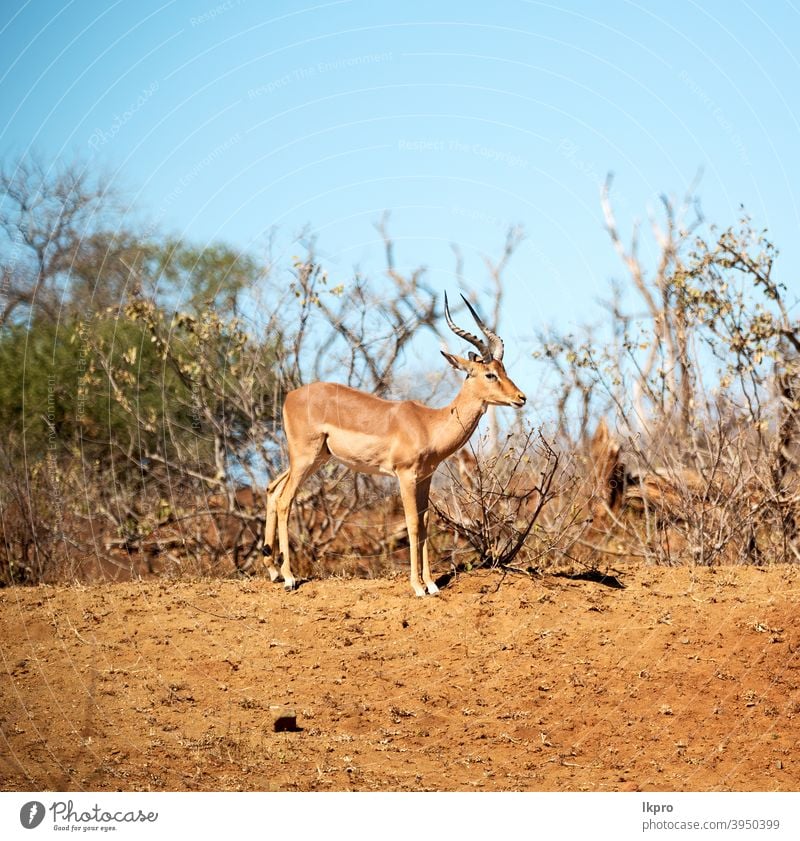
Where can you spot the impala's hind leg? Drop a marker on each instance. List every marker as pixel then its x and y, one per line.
pixel 302 467
pixel 270 544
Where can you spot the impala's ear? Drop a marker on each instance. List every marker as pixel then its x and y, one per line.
pixel 456 361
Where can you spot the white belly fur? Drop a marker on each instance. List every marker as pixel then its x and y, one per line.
pixel 360 452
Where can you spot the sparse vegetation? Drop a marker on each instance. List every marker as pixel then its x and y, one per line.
pixel 143 379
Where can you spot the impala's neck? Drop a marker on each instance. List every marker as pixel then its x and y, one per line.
pixel 459 420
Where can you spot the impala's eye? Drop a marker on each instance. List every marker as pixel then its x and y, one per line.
pixel 491 376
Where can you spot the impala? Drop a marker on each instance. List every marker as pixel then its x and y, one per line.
pixel 396 438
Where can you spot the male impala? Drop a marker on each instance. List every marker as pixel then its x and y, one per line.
pixel 396 438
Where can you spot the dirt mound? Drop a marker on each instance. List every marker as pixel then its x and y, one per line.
pixel 682 679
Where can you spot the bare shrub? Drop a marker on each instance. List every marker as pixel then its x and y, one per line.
pixel 699 371
pixel 29 519
pixel 511 504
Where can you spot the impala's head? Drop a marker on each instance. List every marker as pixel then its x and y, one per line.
pixel 485 370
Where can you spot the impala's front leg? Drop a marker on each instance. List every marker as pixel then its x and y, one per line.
pixel 423 491
pixel 408 493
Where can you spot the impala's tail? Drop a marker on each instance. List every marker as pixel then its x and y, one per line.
pixel 270 545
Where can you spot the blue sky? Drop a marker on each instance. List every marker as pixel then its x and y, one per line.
pixel 225 119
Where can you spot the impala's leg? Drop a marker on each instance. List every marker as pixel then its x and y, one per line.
pixel 271 526
pixel 300 470
pixel 408 493
pixel 423 491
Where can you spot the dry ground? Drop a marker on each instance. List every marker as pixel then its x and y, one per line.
pixel 685 679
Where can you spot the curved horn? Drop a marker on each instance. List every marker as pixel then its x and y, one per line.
pixel 496 346
pixel 469 337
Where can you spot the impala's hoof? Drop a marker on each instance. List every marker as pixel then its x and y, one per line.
pixel 289 584
pixel 432 588
pixel 274 575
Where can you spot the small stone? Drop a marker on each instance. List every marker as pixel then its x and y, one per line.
pixel 284 719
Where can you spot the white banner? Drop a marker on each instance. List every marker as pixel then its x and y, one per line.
pixel 352 817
